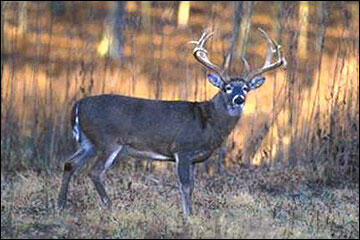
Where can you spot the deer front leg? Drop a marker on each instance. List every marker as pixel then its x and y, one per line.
pixel 97 173
pixel 185 175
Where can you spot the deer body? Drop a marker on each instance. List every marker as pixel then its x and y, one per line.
pixel 195 126
pixel 180 131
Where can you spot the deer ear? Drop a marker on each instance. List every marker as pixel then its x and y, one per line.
pixel 215 80
pixel 256 82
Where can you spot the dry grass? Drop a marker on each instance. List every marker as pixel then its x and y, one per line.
pixel 258 203
pixel 301 128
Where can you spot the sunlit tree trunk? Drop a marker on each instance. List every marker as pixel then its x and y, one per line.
pixel 183 13
pixel 245 25
pixel 146 15
pixel 315 106
pixel 354 9
pixel 3 14
pixel 322 14
pixel 291 91
pixel 238 15
pixel 112 40
pixel 303 28
pixel 22 16
pixel 279 20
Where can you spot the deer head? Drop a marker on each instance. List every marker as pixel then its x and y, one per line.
pixel 235 89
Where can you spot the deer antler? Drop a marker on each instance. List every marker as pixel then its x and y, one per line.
pixel 201 55
pixel 272 47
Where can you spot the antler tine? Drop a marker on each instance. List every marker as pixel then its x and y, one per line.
pixel 201 54
pixel 227 62
pixel 272 47
pixel 246 67
pixel 226 66
pixel 270 44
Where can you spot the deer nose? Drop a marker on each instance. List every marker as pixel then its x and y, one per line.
pixel 238 100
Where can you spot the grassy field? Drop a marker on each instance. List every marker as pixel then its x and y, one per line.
pixel 305 116
pixel 243 203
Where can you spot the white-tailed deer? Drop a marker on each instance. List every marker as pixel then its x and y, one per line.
pixel 183 132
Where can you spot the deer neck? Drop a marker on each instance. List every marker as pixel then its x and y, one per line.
pixel 223 121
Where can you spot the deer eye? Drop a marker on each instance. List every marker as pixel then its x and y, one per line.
pixel 228 89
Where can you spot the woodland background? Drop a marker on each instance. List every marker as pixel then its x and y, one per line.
pixel 297 139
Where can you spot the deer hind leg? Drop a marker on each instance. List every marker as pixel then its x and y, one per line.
pixel 97 173
pixel 185 174
pixel 72 167
pixel 192 178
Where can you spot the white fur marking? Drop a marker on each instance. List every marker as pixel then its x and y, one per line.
pixel 85 143
pixel 155 155
pixel 176 158
pixel 76 133
pixel 182 194
pixel 77 114
pixel 111 158
pixel 76 130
